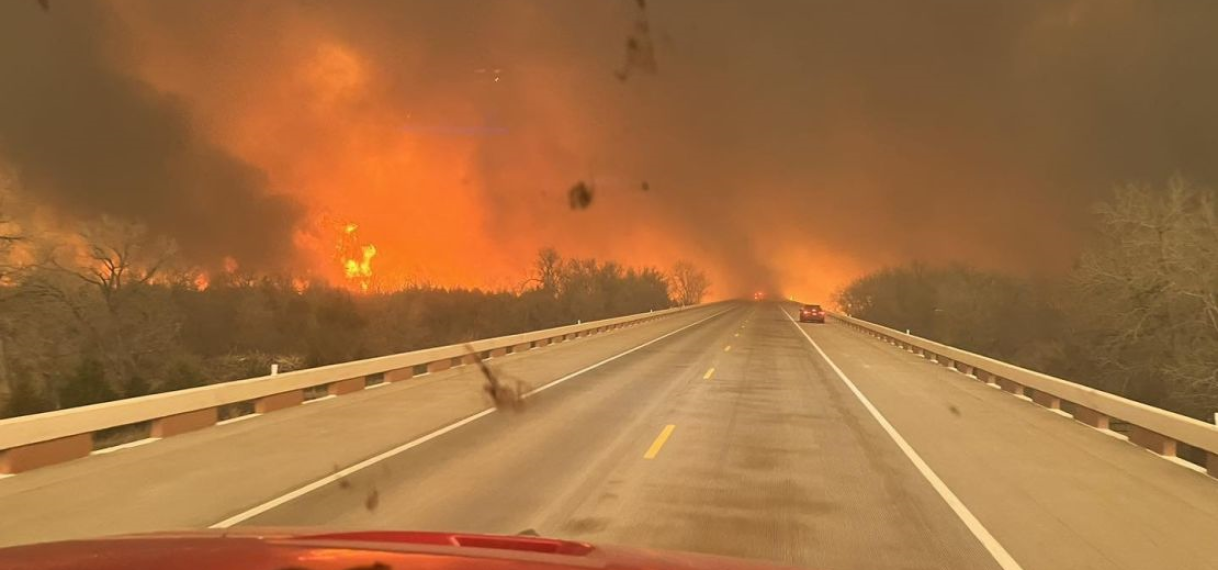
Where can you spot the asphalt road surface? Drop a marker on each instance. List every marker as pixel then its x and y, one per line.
pixel 721 430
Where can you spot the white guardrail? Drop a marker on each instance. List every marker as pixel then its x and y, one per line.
pixel 28 442
pixel 1150 427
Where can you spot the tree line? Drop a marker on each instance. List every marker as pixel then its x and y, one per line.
pixel 1137 315
pixel 114 315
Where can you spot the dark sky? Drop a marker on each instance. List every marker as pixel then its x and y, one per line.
pixel 784 143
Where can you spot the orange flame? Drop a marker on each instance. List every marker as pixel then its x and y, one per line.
pixel 356 268
pixel 362 269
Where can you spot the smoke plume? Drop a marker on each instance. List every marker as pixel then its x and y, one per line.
pixel 787 144
pixel 87 135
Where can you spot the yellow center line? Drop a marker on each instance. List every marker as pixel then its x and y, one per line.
pixel 659 442
pixel 709 373
pixel 727 348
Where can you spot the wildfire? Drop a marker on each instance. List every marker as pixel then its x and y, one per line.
pixel 356 259
pixel 361 269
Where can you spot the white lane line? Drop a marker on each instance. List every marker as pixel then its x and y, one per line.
pixel 264 507
pixel 991 544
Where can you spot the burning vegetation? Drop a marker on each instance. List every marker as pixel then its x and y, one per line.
pixel 356 258
pixel 116 311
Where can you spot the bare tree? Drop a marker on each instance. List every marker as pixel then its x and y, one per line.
pixel 546 270
pixel 1147 295
pixel 10 236
pixel 116 257
pixel 107 281
pixel 687 283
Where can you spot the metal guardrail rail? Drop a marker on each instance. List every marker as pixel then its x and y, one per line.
pixel 28 442
pixel 1155 429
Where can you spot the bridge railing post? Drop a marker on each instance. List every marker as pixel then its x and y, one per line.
pixel 182 423
pixel 1091 417
pixel 1047 400
pixel 340 387
pixel 1155 442
pixel 1012 386
pixel 399 374
pixel 268 404
pixel 43 453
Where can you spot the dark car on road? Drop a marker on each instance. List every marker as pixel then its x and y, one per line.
pixel 811 314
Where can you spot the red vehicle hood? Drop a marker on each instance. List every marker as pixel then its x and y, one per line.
pixel 272 549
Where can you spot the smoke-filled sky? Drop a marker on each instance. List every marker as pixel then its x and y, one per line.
pixel 783 144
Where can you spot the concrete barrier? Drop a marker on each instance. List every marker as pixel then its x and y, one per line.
pixel 1152 428
pixel 347 386
pixel 27 442
pixel 182 423
pixel 45 452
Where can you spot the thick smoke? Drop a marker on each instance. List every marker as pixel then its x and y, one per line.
pixel 86 135
pixel 784 144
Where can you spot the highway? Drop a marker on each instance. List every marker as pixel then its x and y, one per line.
pixel 728 430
